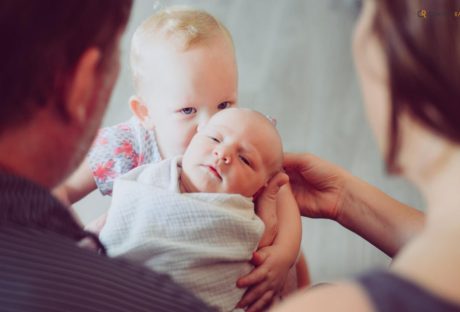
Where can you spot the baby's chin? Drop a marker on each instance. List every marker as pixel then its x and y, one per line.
pixel 214 187
pixel 207 187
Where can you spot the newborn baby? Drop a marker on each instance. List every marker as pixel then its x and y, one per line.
pixel 193 217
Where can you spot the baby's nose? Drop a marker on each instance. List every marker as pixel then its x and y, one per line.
pixel 223 155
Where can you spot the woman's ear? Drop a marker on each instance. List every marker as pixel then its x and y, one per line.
pixel 141 111
pixel 80 98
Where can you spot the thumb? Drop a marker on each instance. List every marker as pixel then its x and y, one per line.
pixel 258 257
pixel 273 187
pixel 293 160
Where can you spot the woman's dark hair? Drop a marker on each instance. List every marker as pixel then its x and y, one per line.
pixel 42 43
pixel 421 40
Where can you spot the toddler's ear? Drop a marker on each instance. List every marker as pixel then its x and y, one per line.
pixel 141 111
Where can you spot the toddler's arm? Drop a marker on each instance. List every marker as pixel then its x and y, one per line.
pixel 77 186
pixel 273 262
pixel 115 151
pixel 290 226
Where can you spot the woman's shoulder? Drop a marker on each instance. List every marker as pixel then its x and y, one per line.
pixel 375 291
pixel 341 296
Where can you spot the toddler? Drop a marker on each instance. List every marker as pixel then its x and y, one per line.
pixel 184 71
pixel 193 217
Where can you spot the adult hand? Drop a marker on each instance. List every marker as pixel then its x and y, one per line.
pixel 265 204
pixel 324 190
pixel 318 186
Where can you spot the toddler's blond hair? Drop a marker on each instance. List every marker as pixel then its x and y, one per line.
pixel 183 26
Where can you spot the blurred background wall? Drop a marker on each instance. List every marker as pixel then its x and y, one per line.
pixel 295 64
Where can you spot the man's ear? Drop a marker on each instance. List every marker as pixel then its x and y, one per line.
pixel 80 98
pixel 141 111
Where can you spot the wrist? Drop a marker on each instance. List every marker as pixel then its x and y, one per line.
pixel 349 199
pixel 286 255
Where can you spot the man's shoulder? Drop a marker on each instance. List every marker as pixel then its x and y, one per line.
pixel 40 269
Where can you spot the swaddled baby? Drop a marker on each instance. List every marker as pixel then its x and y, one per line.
pixel 193 217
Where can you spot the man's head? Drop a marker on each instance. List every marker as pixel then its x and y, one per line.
pixel 57 75
pixel 184 71
pixel 237 151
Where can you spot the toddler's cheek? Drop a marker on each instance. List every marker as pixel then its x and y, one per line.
pixel 186 141
pixel 184 146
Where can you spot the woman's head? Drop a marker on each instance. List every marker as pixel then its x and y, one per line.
pixel 409 61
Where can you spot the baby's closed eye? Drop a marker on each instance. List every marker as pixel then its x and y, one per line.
pixel 245 160
pixel 214 139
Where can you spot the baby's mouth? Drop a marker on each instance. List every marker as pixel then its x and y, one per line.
pixel 213 170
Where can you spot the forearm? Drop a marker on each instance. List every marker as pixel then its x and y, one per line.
pixel 383 221
pixel 78 185
pixel 290 227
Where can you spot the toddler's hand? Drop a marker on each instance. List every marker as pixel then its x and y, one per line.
pixel 266 280
pixel 96 225
pixel 62 195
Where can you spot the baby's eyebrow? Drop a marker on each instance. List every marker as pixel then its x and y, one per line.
pixel 253 153
pixel 211 129
pixel 247 150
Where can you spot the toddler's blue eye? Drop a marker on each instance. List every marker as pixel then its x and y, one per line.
pixel 224 105
pixel 188 110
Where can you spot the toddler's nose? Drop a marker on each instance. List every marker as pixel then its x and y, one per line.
pixel 202 122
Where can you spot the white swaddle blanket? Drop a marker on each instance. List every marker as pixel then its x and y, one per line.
pixel 203 240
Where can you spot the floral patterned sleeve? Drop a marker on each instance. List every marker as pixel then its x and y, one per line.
pixel 118 149
pixel 115 151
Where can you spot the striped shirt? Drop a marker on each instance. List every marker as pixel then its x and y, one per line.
pixel 43 269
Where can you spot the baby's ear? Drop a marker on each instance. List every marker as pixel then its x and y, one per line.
pixel 141 111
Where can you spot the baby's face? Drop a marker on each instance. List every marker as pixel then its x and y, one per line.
pixel 234 153
pixel 183 89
